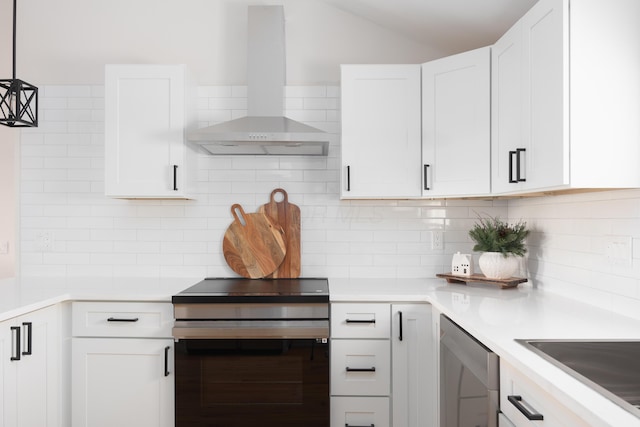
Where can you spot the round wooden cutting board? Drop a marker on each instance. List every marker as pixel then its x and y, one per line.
pixel 252 245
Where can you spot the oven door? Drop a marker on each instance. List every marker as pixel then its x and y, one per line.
pixel 252 382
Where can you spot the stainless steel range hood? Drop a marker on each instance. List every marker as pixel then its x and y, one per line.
pixel 265 130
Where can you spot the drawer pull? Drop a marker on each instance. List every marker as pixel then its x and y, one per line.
pixel 361 369
pixel 349 425
pixel 517 402
pixel 117 319
pixel 361 321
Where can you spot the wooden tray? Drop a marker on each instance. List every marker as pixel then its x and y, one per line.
pixel 511 282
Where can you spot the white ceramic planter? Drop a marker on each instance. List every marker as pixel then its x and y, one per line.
pixel 495 266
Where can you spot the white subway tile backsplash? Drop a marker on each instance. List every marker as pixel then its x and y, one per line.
pixel 62 191
pixel 227 104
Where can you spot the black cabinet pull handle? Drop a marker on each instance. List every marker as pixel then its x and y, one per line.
pixel 373 369
pixel 118 319
pixel 511 180
pixel 350 425
pixel 426 182
pixel 348 178
pixel 28 330
pixel 175 177
pixel 400 337
pixel 16 329
pixel 517 402
pixel 166 361
pixel 518 176
pixel 361 321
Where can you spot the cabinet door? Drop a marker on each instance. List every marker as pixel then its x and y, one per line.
pixel 122 382
pixel 545 35
pixel 414 388
pixel 506 110
pixel 30 371
pixel 456 124
pixel 381 131
pixel 8 388
pixel 145 120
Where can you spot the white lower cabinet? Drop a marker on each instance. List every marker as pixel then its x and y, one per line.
pixel 122 364
pixel 522 401
pixel 414 387
pixel 382 365
pixel 359 411
pixel 122 382
pixel 30 370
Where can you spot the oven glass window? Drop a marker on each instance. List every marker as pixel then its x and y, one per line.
pixel 236 383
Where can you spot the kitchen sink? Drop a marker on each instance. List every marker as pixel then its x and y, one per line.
pixel 610 367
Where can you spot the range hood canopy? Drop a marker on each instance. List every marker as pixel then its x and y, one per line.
pixel 265 130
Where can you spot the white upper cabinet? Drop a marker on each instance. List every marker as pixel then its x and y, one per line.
pixel 381 137
pixel 147 113
pixel 456 125
pixel 565 98
pixel 506 107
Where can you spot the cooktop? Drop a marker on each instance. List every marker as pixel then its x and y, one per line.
pixel 238 289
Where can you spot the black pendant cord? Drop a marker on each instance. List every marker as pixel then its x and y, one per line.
pixel 15 5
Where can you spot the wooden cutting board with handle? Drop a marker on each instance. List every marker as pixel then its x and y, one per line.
pixel 287 216
pixel 253 245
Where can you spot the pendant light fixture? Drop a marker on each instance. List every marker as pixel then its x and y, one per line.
pixel 18 99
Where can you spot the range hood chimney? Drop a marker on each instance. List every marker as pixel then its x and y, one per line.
pixel 265 130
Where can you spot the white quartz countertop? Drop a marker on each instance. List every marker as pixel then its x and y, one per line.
pixel 494 316
pixel 22 295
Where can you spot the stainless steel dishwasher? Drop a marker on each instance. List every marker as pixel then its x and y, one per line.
pixel 469 379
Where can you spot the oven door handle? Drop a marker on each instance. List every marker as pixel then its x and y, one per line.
pixel 249 329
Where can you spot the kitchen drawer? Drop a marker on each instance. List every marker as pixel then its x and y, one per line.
pixel 360 367
pixel 360 411
pixel 360 320
pixel 122 319
pixel 535 399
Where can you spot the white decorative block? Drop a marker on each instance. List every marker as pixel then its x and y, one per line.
pixel 462 264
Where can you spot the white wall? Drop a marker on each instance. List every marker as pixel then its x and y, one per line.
pixel 69 41
pixel 8 200
pixel 8 169
pixel 63 194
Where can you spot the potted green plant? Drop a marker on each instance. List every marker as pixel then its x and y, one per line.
pixel 501 244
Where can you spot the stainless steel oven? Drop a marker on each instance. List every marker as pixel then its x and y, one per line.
pixel 469 379
pixel 252 352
